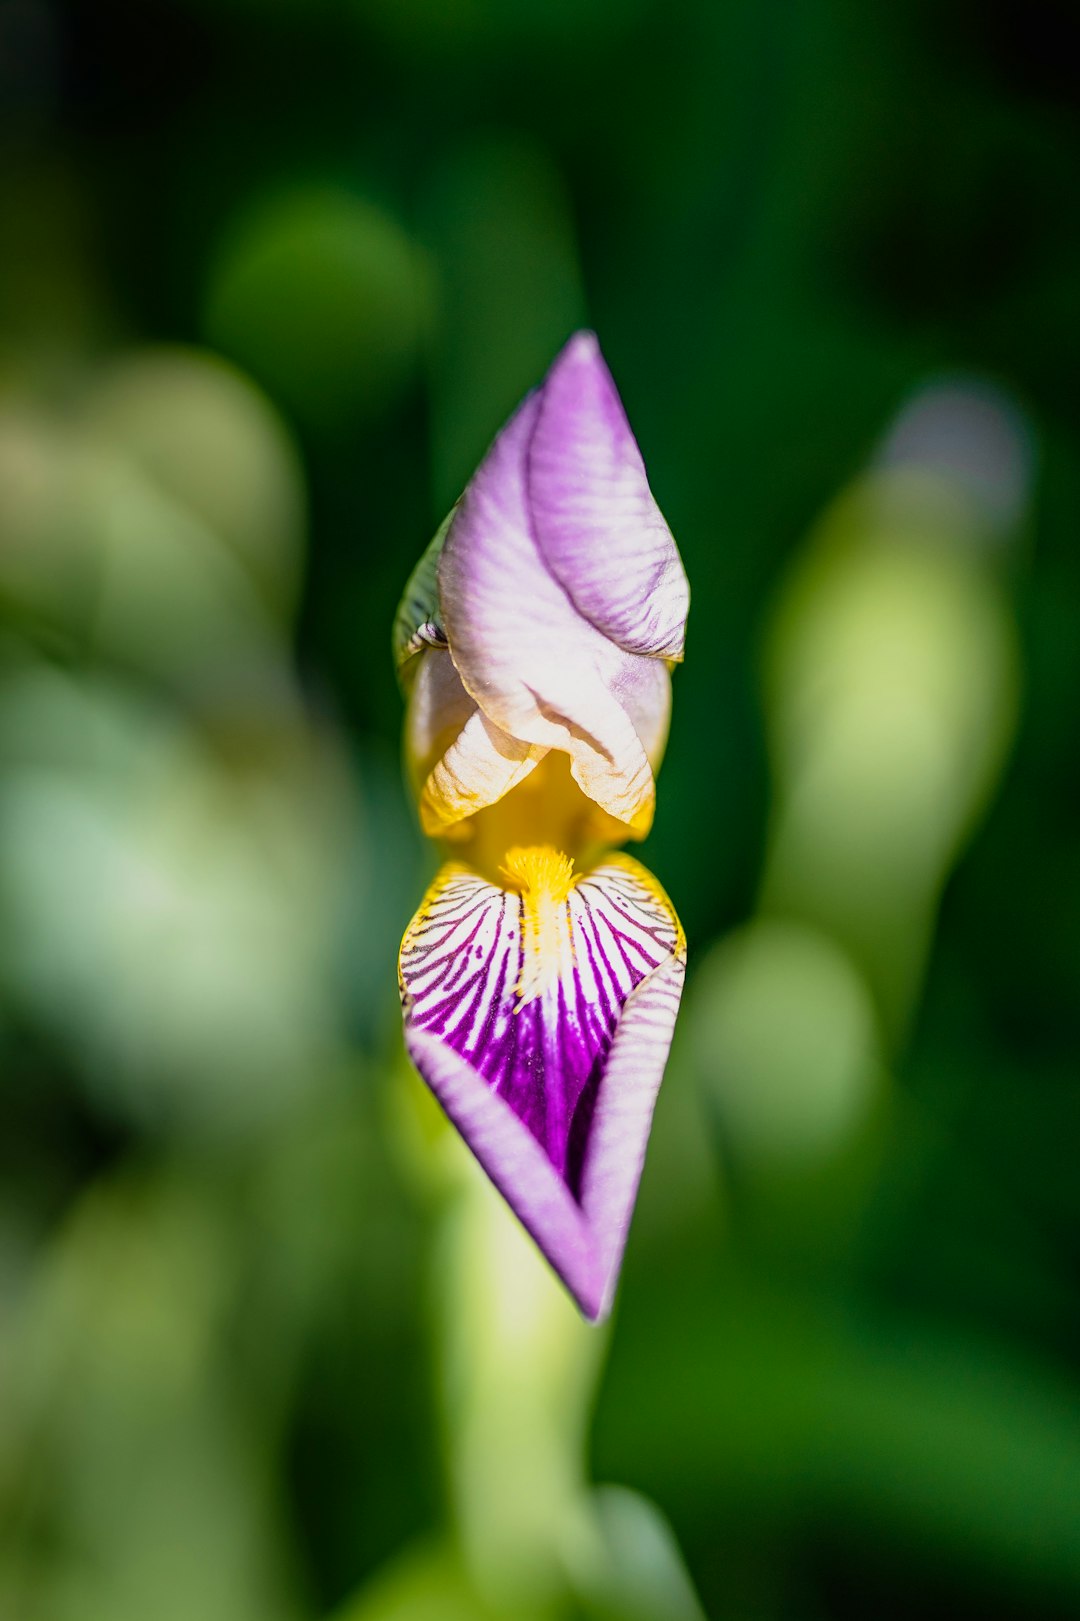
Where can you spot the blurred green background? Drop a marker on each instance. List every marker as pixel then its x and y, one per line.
pixel 271 274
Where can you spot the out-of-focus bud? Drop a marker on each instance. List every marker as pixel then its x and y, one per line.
pixel 892 685
pixel 784 1034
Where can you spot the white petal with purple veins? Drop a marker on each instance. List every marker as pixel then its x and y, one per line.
pixel 541 1015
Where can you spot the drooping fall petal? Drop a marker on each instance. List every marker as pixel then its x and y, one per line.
pixel 541 1015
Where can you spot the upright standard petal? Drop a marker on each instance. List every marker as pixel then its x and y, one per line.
pixel 541 1015
pixel 600 531
pixel 534 665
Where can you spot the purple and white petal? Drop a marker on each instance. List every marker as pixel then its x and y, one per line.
pixel 643 688
pixel 541 1018
pixel 534 665
pixel 599 530
pixel 622 1119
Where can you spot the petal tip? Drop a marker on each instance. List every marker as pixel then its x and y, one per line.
pixel 583 345
pixel 595 1303
pixel 580 362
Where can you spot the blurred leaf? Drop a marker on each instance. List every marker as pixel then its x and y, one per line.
pixel 126 1475
pixel 426 1584
pixel 630 1568
pixel 775 1407
pixel 497 219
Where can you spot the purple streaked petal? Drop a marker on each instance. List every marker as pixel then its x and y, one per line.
pixel 622 1118
pixel 643 688
pixel 598 528
pixel 537 668
pixel 554 1097
pixel 516 1164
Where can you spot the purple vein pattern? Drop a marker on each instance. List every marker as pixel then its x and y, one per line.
pixel 461 965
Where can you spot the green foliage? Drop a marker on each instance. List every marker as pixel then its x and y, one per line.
pixel 271 276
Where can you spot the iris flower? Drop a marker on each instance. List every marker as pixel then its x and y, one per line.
pixel 541 976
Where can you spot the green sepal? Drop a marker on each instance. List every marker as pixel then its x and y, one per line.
pixel 418 621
